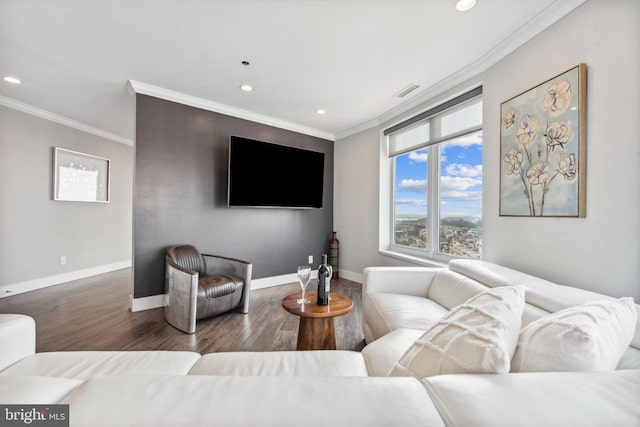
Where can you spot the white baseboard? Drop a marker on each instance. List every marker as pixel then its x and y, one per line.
pixel 147 303
pixel 350 275
pixel 155 301
pixel 267 282
pixel 43 282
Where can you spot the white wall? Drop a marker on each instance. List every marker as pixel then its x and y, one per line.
pixel 600 252
pixel 35 230
pixel 355 202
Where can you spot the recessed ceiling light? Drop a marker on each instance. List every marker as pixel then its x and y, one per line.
pixel 320 111
pixel 246 87
pixel 11 79
pixel 464 5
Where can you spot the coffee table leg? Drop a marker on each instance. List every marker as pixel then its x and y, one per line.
pixel 316 334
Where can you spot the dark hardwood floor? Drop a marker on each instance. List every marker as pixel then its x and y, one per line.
pixel 94 314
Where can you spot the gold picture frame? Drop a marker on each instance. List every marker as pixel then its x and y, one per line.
pixel 543 148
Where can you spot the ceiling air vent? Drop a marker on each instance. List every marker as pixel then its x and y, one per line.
pixel 407 90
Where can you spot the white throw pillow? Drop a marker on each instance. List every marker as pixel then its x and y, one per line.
pixel 588 337
pixel 478 336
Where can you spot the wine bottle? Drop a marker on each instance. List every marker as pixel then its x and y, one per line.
pixel 323 282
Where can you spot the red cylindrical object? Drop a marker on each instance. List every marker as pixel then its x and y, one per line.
pixel 334 253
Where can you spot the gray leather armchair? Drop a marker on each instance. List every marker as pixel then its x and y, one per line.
pixel 199 285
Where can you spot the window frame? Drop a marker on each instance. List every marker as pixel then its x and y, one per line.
pixel 431 254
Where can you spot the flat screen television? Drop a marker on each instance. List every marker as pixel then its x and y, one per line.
pixel 263 174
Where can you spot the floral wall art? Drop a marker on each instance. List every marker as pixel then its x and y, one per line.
pixel 542 149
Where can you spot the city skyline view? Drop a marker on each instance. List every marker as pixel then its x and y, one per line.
pixel 460 185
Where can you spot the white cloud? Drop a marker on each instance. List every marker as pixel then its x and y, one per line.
pixel 458 169
pixel 413 202
pixel 418 156
pixel 461 195
pixel 455 188
pixel 457 183
pixel 414 185
pixel 450 186
pixel 464 141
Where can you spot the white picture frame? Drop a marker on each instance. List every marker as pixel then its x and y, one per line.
pixel 80 177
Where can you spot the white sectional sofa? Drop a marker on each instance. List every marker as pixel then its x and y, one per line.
pixel 160 388
pixel 400 303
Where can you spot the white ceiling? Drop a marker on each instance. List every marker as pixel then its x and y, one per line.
pixel 348 57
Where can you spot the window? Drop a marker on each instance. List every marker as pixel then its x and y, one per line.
pixel 436 199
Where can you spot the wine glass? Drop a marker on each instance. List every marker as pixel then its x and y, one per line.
pixel 304 275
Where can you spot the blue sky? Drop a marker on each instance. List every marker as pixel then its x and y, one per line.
pixel 460 179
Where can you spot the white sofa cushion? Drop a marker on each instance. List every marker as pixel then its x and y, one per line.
pixel 388 312
pixel 545 295
pixel 196 400
pixel 550 399
pixel 589 337
pixel 450 289
pixel 478 336
pixel 325 363
pixel 382 354
pixel 82 365
pixel 630 359
pixel 35 390
pixel 17 338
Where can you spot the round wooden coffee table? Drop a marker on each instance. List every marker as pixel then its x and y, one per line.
pixel 316 330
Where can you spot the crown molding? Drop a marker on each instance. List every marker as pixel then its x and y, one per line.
pixel 535 26
pixel 53 117
pixel 357 129
pixel 543 20
pixel 205 104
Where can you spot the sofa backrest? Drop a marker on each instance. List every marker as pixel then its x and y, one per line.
pixel 541 293
pixel 541 296
pixel 450 289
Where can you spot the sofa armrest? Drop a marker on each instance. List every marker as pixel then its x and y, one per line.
pixel 399 280
pixel 533 399
pixel 17 338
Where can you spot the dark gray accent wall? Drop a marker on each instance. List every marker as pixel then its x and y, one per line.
pixel 180 195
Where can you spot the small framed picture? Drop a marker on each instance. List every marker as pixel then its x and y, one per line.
pixel 80 177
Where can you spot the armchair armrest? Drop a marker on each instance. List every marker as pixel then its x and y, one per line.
pixel 17 338
pixel 399 280
pixel 180 268
pixel 181 292
pixel 215 264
